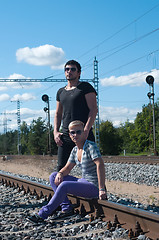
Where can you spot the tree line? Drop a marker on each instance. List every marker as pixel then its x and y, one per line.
pixel 132 138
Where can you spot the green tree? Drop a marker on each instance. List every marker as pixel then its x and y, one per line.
pixel 138 136
pixel 110 141
pixel 8 142
pixel 125 132
pixel 24 137
pixel 37 139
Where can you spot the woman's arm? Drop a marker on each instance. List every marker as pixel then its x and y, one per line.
pixel 101 178
pixel 64 172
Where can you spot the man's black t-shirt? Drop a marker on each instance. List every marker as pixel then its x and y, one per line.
pixel 74 103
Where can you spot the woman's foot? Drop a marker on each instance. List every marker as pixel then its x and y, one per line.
pixel 63 215
pixel 35 218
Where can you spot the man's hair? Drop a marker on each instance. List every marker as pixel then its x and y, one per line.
pixel 76 123
pixel 73 62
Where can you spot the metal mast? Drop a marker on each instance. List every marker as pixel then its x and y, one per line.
pixel 150 81
pixel 5 120
pixel 96 81
pixel 18 122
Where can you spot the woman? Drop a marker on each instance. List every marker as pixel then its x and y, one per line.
pixel 92 184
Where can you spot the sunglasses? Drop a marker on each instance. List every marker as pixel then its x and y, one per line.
pixel 73 69
pixel 79 132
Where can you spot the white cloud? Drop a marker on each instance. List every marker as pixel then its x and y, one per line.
pixel 4 97
pixel 3 88
pixel 23 97
pixel 118 115
pixel 27 115
pixel 45 55
pixel 16 76
pixel 134 80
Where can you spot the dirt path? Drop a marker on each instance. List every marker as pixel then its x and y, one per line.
pixel 41 167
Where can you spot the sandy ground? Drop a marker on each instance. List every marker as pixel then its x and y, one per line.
pixel 41 167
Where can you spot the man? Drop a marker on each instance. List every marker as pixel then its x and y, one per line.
pixel 75 101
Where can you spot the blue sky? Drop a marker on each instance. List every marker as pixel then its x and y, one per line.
pixel 38 37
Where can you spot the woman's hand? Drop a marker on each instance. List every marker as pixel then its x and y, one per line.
pixel 58 178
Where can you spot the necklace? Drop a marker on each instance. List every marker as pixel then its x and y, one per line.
pixel 72 87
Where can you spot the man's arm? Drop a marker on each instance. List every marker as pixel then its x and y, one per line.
pixel 93 109
pixel 101 177
pixel 57 123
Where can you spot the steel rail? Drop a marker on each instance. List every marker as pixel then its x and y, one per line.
pixel 115 159
pixel 133 159
pixel 128 217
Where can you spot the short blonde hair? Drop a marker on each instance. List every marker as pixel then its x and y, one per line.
pixel 76 123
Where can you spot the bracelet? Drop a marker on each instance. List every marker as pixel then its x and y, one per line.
pixel 102 189
pixel 61 173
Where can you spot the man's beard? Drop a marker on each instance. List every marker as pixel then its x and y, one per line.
pixel 71 78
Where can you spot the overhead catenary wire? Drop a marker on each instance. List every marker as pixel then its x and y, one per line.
pixel 125 45
pixel 122 47
pixel 135 60
pixel 120 30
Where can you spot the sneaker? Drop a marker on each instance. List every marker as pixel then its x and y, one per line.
pixel 64 215
pixel 35 219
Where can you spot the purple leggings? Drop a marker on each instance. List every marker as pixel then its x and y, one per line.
pixel 72 185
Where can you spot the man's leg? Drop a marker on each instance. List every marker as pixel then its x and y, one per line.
pixel 64 151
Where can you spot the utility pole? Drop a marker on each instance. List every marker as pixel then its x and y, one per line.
pixel 45 98
pixel 18 123
pixel 150 81
pixel 96 82
pixel 5 120
pixel 5 126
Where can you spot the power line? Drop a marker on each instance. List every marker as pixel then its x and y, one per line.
pixel 125 45
pixel 135 60
pixel 120 30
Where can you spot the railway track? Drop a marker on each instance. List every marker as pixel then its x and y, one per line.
pixel 135 220
pixel 118 159
pixel 133 159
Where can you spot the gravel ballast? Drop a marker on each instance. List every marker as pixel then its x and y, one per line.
pixel 15 207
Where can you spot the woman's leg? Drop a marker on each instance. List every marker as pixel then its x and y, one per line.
pixel 80 187
pixel 83 188
pixel 66 204
pixel 57 199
